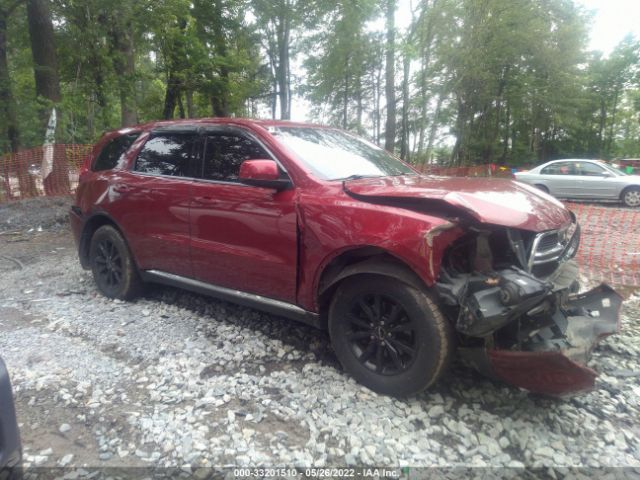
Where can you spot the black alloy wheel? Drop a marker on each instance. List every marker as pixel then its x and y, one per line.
pixel 109 266
pixel 388 335
pixel 381 334
pixel 113 268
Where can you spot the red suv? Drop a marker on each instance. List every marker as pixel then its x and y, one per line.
pixel 318 225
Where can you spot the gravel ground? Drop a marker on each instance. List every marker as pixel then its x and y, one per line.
pixel 177 379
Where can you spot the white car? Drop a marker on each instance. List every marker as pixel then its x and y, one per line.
pixel 584 179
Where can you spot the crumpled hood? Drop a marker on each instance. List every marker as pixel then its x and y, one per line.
pixel 494 201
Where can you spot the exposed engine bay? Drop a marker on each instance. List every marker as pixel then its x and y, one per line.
pixel 512 296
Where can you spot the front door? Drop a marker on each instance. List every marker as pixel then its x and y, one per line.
pixel 596 181
pixel 242 237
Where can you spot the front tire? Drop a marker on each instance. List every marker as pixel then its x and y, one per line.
pixel 389 336
pixel 114 270
pixel 631 197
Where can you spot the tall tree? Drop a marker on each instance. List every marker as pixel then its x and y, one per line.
pixel 43 48
pixel 278 18
pixel 390 76
pixel 7 100
pixel 45 66
pixel 121 36
pixel 8 111
pixel 340 66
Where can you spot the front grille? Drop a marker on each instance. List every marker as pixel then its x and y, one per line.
pixel 554 245
pixel 548 242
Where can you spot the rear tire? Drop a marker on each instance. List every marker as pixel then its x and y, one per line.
pixel 389 336
pixel 114 270
pixel 631 197
pixel 542 187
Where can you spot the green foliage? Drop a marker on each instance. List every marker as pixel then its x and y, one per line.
pixel 505 81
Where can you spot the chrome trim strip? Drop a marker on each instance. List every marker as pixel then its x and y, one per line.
pixel 270 305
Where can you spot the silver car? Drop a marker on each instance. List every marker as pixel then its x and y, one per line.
pixel 584 179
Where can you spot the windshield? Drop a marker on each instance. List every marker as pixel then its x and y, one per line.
pixel 335 155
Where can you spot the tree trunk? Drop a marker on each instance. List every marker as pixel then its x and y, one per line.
pixel 345 95
pixel 171 96
pixel 612 122
pixel 283 72
pixel 425 59
pixel 55 171
pixel 378 112
pixel 124 66
pixel 390 89
pixel 404 142
pixel 181 106
pixel 8 112
pixel 273 65
pixel 221 95
pixel 359 105
pixel 189 99
pixel 505 137
pixel 457 154
pixel 43 50
pixel 603 121
pixel 434 128
pixel 7 100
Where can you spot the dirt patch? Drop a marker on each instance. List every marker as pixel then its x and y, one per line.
pixel 34 214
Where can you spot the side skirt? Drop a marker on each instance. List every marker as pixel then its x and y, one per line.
pixel 269 305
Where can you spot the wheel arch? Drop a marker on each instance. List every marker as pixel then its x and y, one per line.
pixel 626 189
pixel 93 223
pixel 365 260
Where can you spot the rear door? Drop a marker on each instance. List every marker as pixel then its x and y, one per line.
pixel 242 237
pixel 155 215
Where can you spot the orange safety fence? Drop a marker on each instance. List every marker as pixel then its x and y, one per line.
pixel 610 243
pixel 41 171
pixel 610 247
pixel 488 170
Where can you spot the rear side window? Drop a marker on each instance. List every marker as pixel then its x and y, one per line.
pixel 113 152
pixel 168 154
pixel 225 152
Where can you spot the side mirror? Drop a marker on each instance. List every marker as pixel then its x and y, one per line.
pixel 262 173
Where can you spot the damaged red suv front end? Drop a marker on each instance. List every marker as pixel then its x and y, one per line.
pixel 508 281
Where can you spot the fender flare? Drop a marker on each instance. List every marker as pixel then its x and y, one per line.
pixel 386 267
pixel 85 238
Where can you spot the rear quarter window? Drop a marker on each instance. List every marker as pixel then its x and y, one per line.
pixel 168 154
pixel 112 152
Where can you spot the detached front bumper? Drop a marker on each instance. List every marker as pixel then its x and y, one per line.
pixel 552 360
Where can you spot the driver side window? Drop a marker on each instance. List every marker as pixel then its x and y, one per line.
pixel 225 152
pixel 590 169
